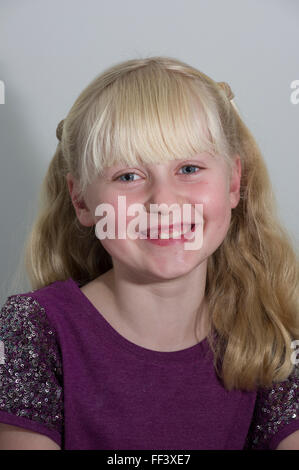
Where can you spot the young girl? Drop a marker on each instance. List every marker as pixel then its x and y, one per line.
pixel 140 343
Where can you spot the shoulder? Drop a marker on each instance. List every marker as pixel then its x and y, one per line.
pixel 25 330
pixel 26 315
pixel 31 364
pixel 42 304
pixel 31 318
pixel 276 413
pixel 23 314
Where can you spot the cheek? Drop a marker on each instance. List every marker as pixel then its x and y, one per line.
pixel 221 217
pixel 118 219
pixel 111 201
pixel 216 204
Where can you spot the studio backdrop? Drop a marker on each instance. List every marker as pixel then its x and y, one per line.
pixel 51 50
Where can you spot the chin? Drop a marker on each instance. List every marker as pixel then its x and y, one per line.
pixel 169 271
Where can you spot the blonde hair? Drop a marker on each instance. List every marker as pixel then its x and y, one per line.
pixel 157 109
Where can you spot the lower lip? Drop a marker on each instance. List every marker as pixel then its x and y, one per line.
pixel 169 241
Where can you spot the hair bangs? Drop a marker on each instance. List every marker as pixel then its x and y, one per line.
pixel 152 116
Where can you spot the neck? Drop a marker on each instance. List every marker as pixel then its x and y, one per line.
pixel 161 314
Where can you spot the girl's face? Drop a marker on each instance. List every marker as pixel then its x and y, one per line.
pixel 204 179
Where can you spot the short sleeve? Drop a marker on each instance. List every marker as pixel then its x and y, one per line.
pixel 276 414
pixel 31 392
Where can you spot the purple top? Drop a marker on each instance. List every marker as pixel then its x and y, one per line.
pixel 68 374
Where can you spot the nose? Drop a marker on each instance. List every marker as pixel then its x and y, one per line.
pixel 163 195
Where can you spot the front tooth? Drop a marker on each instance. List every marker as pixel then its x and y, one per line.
pixel 176 234
pixel 186 229
pixel 164 235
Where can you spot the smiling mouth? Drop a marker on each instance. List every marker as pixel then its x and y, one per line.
pixel 163 234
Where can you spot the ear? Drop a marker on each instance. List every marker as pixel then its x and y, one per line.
pixel 235 182
pixel 83 213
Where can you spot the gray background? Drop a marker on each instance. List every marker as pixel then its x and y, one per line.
pixel 51 50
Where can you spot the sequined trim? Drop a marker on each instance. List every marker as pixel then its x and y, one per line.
pixel 275 407
pixel 31 375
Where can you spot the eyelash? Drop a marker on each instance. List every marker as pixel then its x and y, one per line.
pixel 132 173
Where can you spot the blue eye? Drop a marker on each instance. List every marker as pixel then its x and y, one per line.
pixel 126 180
pixel 190 166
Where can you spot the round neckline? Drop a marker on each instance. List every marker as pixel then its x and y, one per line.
pixel 193 352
